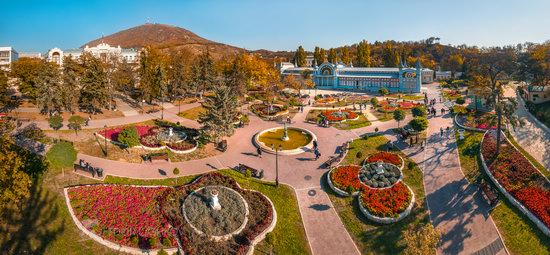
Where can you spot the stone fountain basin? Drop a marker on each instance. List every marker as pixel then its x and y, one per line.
pixel 299 150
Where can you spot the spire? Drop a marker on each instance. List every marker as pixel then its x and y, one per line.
pixel 418 64
pixel 351 64
pixel 400 62
pixel 295 62
pixel 315 63
pixel 406 64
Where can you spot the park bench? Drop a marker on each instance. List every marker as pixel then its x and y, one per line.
pixel 156 157
pixel 489 193
pixel 254 172
pixel 86 167
pixel 153 111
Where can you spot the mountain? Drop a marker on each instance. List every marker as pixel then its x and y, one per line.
pixel 165 37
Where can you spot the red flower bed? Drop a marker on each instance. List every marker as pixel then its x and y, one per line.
pixel 388 202
pixel 112 133
pixel 344 177
pixel 335 116
pixel 387 157
pixel 538 202
pixel 518 176
pixel 122 214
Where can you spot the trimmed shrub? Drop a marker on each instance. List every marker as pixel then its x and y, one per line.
pixel 248 173
pixel 162 252
pixel 129 137
pixel 411 165
pixel 460 101
pixel 176 171
pixel 359 154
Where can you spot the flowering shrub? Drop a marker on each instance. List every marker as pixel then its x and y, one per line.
pixel 388 202
pixel 518 176
pixel 339 115
pixel 122 214
pixel 383 156
pixel 344 177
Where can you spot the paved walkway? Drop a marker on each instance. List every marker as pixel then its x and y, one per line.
pixel 125 108
pixel 531 136
pixel 456 207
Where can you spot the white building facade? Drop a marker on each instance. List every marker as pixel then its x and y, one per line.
pixel 7 56
pixel 103 51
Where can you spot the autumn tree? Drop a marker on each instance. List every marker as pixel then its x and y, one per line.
pixel 300 57
pixel 4 100
pixel 290 81
pixel 332 56
pixel 27 71
pixel 390 55
pixel 94 91
pixel 150 66
pixel 534 65
pixel 345 55
pixel 322 56
pixel 318 59
pixel 75 123
pixel 124 78
pixel 363 54
pixel 14 181
pixel 221 112
pixel 455 63
pixel 421 240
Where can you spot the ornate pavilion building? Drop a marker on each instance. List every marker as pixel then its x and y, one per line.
pixel 341 77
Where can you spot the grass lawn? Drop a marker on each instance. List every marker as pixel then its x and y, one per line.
pixel 520 234
pixel 370 237
pixel 45 226
pixel 61 155
pixel 382 116
pixel 353 124
pixel 406 96
pixel 193 113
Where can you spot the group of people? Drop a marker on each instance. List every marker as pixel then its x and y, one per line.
pixel 89 168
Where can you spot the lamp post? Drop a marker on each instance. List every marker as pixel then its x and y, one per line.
pixel 162 102
pixel 276 162
pixel 105 132
pixel 142 103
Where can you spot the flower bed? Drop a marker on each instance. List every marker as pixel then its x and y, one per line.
pixel 478 121
pixel 266 111
pixel 390 106
pixel 386 202
pixel 339 115
pixel 383 156
pixel 517 178
pixel 122 214
pixel 112 133
pixel 346 178
pixel 139 220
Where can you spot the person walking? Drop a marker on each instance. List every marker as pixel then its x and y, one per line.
pixel 314 144
pixel 259 152
pixel 441 132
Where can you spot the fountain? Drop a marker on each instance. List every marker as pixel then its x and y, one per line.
pixel 379 167
pixel 290 140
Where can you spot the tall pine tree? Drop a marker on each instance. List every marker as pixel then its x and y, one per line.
pixel 49 88
pixel 95 93
pixel 70 85
pixel 221 113
pixel 203 73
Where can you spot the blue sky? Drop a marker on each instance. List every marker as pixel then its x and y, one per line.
pixel 278 25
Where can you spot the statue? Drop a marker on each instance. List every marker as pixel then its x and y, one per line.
pixel 285 135
pixel 170 131
pixel 379 167
pixel 214 202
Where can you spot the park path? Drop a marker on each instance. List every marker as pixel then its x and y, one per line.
pixel 170 114
pixel 456 207
pixel 533 135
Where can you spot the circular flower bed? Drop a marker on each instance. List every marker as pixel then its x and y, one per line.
pixel 136 219
pixel 389 203
pixel 390 106
pixel 386 157
pixel 339 115
pixel 379 175
pixel 264 110
pixel 326 100
pixel 228 220
pixel 156 138
pixel 346 178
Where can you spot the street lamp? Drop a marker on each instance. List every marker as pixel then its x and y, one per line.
pixel 162 103
pixel 105 132
pixel 142 103
pixel 276 162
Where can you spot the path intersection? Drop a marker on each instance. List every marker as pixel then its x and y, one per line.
pixel 456 208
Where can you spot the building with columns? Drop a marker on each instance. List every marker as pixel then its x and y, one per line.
pixel 103 51
pixel 341 77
